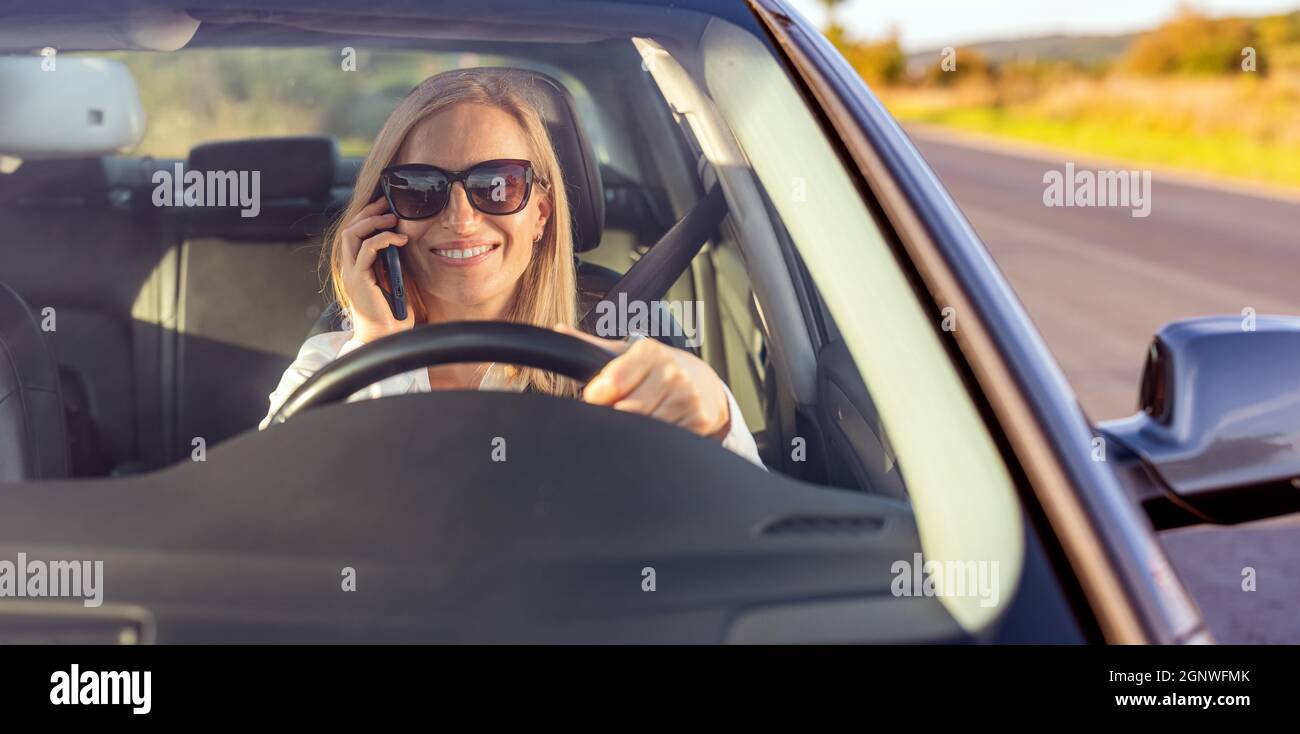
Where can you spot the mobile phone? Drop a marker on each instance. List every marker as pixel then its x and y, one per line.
pixel 388 271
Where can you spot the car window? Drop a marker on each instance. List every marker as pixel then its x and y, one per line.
pixel 744 344
pixel 966 507
pixel 197 96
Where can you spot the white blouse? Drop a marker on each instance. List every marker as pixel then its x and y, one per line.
pixel 322 349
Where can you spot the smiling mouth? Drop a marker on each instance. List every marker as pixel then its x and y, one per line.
pixel 467 253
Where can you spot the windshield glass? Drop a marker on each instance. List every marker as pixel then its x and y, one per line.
pixel 185 272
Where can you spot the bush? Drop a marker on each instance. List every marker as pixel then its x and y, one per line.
pixel 878 62
pixel 970 66
pixel 1191 43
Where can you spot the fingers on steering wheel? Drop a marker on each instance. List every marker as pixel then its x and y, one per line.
pixel 623 375
pixel 656 393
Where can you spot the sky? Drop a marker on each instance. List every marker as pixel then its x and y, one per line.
pixel 928 24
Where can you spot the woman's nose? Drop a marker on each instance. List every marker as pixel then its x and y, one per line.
pixel 460 215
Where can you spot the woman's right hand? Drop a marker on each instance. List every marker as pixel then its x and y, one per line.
pixel 362 241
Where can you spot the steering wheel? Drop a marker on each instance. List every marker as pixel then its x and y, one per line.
pixel 426 346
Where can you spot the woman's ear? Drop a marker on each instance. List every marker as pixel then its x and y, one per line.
pixel 543 214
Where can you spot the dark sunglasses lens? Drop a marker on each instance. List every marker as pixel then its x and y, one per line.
pixel 417 194
pixel 498 188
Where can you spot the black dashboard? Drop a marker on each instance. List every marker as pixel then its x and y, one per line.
pixel 471 517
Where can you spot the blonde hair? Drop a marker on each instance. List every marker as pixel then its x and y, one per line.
pixel 546 293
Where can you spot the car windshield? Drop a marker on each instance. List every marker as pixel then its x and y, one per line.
pixel 176 276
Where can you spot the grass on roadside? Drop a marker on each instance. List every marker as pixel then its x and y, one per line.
pixel 1246 132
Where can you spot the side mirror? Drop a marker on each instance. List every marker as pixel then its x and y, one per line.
pixel 1219 425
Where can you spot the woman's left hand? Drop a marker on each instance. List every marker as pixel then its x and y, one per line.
pixel 654 379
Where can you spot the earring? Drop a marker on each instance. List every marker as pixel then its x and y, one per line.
pixel 538 238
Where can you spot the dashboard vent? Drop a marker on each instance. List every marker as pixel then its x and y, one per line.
pixel 805 525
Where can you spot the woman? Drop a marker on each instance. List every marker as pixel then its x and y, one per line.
pixel 502 249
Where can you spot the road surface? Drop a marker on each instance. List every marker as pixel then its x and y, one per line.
pixel 1098 283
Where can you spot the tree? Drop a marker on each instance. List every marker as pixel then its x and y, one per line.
pixel 877 62
pixel 1191 43
pixel 970 66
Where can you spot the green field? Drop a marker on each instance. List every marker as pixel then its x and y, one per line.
pixel 1252 145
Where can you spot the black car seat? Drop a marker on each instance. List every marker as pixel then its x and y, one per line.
pixel 249 286
pixel 33 435
pixel 82 237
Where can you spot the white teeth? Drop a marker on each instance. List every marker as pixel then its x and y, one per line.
pixel 462 254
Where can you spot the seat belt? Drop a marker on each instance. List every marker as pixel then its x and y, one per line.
pixel 650 277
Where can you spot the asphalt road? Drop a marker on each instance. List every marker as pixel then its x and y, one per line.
pixel 1098 282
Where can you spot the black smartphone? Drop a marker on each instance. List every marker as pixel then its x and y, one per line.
pixel 388 271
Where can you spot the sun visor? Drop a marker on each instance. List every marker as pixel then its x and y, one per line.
pixel 67 107
pixel 98 27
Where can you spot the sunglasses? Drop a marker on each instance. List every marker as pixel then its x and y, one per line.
pixel 421 191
